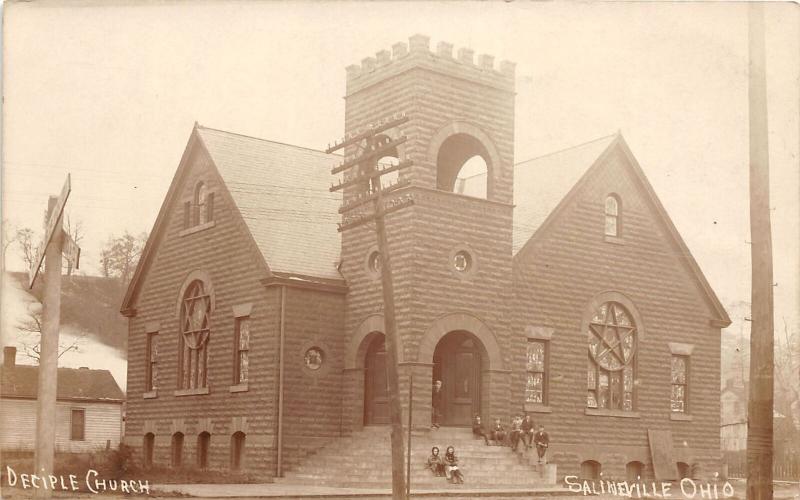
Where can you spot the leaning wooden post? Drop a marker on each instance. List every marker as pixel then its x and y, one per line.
pixel 760 404
pixel 48 357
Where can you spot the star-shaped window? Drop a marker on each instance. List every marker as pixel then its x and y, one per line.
pixel 612 337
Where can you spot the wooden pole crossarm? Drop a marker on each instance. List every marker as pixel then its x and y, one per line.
pixel 380 127
pixel 372 174
pixel 407 202
pixel 361 200
pixel 375 153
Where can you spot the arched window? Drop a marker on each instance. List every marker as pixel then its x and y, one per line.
pixel 237 450
pixel 203 442
pixel 193 342
pixel 200 204
pixel 590 470
pixel 684 470
pixel 177 449
pixel 148 447
pixel 612 212
pixel 612 356
pixel 634 471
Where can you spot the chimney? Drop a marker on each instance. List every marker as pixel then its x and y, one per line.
pixel 9 357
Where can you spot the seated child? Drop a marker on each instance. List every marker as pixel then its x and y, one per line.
pixel 435 462
pixel 451 466
pixel 498 434
pixel 477 429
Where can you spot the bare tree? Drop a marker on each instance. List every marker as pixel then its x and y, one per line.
pixel 30 332
pixel 26 240
pixel 120 255
pixel 74 228
pixel 9 236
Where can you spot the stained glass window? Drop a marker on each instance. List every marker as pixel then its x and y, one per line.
pixel 152 361
pixel 680 368
pixel 612 352
pixel 193 349
pixel 612 216
pixel 536 359
pixel 242 350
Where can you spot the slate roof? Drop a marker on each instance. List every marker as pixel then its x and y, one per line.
pixel 542 182
pixel 282 194
pixel 73 384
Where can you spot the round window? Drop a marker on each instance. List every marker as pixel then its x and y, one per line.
pixel 313 358
pixel 462 261
pixel 374 262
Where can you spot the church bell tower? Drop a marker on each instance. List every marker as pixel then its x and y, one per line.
pixel 451 251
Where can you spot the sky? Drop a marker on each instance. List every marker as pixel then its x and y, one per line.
pixel 110 91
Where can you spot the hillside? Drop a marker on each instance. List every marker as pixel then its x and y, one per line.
pixel 89 304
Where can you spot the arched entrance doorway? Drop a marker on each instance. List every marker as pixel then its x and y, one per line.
pixel 457 363
pixel 376 395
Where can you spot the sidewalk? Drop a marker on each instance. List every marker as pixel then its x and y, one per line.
pixel 296 491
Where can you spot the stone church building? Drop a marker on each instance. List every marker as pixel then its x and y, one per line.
pixel 556 286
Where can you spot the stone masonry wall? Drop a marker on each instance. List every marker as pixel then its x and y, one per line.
pixel 557 275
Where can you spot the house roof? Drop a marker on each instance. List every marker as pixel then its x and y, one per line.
pixel 282 193
pixel 20 381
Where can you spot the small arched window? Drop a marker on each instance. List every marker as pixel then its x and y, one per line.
pixel 203 443
pixel 612 212
pixel 590 470
pixel 634 471
pixel 612 353
pixel 177 449
pixel 148 449
pixel 237 450
pixel 193 342
pixel 201 204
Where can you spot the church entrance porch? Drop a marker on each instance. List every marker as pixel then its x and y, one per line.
pixel 457 363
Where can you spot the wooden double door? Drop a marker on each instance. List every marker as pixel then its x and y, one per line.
pixel 456 362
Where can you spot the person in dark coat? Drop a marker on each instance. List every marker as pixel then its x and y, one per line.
pixel 527 431
pixel 498 434
pixel 436 404
pixel 452 471
pixel 542 442
pixel 435 462
pixel 477 429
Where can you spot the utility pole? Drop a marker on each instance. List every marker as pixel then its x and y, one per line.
pixel 55 242
pixel 760 403
pixel 372 147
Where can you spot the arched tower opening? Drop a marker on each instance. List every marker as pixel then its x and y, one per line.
pixel 463 165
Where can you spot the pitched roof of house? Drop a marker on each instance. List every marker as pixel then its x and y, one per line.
pixel 21 381
pixel 282 193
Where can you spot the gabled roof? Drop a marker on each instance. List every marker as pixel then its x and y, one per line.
pixel 544 184
pixel 282 193
pixel 21 381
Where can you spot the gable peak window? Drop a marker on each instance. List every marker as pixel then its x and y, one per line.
pixel 195 330
pixel 612 358
pixel 200 209
pixel 612 214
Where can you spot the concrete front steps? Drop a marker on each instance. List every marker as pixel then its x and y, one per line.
pixel 363 460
